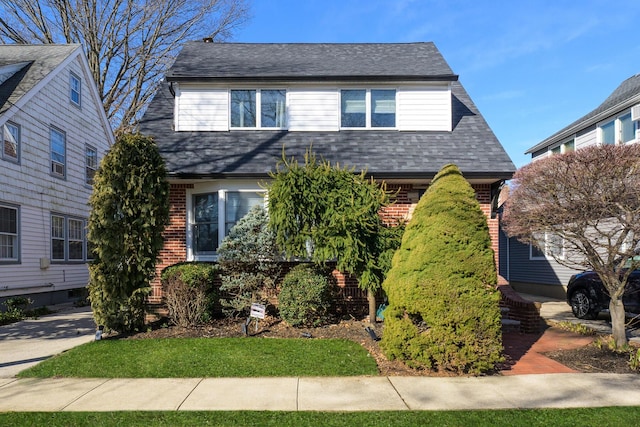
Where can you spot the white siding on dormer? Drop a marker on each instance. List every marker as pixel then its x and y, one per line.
pixel 589 138
pixel 424 109
pixel 313 109
pixel 202 110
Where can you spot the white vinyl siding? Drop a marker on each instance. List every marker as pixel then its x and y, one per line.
pixel 202 110
pixel 313 109
pixel 424 109
pixel 30 185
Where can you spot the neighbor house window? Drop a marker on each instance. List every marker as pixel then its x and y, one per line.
pixel 58 143
pixel 550 246
pixel 90 163
pixel 215 214
pixel 9 226
pixel 618 131
pixel 368 108
pixel 75 89
pixel 68 238
pixel 565 147
pixel 266 104
pixel 11 142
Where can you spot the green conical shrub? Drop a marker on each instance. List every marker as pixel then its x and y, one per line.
pixel 443 311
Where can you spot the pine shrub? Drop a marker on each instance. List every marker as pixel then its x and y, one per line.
pixel 307 296
pixel 249 260
pixel 189 292
pixel 443 309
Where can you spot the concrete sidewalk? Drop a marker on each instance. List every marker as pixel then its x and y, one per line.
pixel 321 394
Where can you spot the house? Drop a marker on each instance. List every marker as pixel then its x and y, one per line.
pixel 615 121
pixel 226 112
pixel 54 132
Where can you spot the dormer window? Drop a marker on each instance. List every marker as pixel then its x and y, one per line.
pixel 266 104
pixel 368 108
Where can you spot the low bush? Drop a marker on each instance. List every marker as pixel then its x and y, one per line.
pixel 189 292
pixel 15 309
pixel 307 296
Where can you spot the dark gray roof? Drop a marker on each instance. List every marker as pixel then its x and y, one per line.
pixel 310 61
pixel 625 95
pixel 384 154
pixel 40 61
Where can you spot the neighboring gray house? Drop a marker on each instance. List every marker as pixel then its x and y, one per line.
pixel 615 121
pixel 54 131
pixel 226 112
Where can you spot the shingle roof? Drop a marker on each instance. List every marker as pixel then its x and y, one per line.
pixel 624 96
pixel 40 61
pixel 384 154
pixel 306 61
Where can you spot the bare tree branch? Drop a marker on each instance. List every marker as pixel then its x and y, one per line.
pixel 129 44
pixel 591 200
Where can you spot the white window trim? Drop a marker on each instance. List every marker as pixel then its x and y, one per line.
pixel 548 245
pixel 259 110
pixel 222 192
pixel 18 142
pixel 367 103
pixel 563 146
pixel 94 168
pixel 66 219
pixel 617 129
pixel 17 259
pixel 52 172
pixel 72 77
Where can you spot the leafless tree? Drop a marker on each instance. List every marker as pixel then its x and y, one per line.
pixel 129 44
pixel 590 201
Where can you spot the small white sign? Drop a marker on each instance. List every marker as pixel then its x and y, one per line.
pixel 258 310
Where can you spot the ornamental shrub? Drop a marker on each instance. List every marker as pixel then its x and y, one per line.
pixel 249 260
pixel 307 296
pixel 189 292
pixel 443 311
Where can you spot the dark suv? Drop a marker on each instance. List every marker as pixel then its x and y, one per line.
pixel 587 295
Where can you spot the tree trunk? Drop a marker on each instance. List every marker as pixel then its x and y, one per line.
pixel 618 323
pixel 371 297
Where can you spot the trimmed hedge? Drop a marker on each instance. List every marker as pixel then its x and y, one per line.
pixel 443 309
pixel 307 296
pixel 189 292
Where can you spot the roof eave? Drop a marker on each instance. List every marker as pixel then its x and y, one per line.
pixel 584 124
pixel 350 78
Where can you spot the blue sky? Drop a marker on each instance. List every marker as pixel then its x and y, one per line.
pixel 531 66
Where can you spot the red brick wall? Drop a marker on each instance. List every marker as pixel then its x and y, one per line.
pixel 405 199
pixel 175 237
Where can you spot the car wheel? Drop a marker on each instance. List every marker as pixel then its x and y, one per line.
pixel 582 306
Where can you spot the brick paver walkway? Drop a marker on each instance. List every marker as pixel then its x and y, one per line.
pixel 524 351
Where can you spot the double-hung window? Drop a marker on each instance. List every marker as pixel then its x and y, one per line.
pixel 9 233
pixel 549 246
pixel 11 142
pixel 368 108
pixel 68 239
pixel 258 108
pixel 618 131
pixel 75 90
pixel 58 144
pixel 90 163
pixel 214 215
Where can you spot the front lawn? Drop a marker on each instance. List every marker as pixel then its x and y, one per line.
pixel 618 416
pixel 208 357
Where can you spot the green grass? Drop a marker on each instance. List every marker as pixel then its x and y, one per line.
pixel 208 357
pixel 618 416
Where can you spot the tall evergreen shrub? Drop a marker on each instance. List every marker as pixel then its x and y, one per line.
pixel 443 311
pixel 129 210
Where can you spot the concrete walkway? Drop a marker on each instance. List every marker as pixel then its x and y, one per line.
pixel 321 394
pixel 544 385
